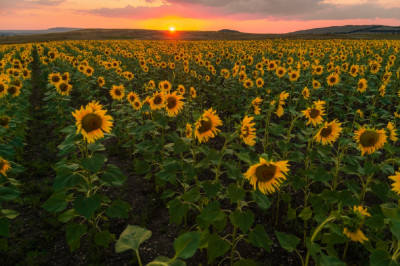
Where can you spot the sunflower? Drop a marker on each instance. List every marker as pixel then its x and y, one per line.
pixel 362 85
pixel 247 131
pixel 14 91
pixel 314 115
pixel 267 175
pixel 256 103
pixel 280 72
pixel 173 103
pixel 181 89
pixel 94 105
pixel 63 88
pixel 294 75
pixel 329 132
pixel 360 113
pixel 4 166
pixel 3 89
pixel 333 79
pixel 65 77
pixel 101 81
pixel 164 86
pixel 189 131
pixel 54 78
pixel 353 223
pixel 315 84
pixel 193 92
pixel 248 83
pixel 4 121
pixel 382 90
pixel 306 93
pixel 92 123
pixel 356 236
pixel 117 92
pixel 137 105
pixel 369 140
pixel 354 70
pixel 259 82
pixel 157 101
pixel 396 184
pixel 88 71
pixel 392 132
pixel 132 97
pixel 206 125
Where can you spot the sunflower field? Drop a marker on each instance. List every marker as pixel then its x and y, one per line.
pixel 275 152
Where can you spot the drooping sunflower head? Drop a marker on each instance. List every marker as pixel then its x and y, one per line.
pixel 173 103
pixel 117 92
pixel 66 77
pixel 305 93
pixel 396 184
pixel 369 140
pixel 4 166
pixel 256 105
pixel 92 123
pixel 353 222
pixel 4 121
pixel 329 132
pixel 54 78
pixel 362 85
pixel 63 88
pixel 267 175
pixel 206 125
pixel 248 131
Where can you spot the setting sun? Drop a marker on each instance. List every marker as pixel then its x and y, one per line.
pixel 172 29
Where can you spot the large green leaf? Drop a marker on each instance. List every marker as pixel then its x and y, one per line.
pixel 73 233
pixel 177 210
pixel 119 209
pixel 216 247
pixel 186 245
pixel 131 238
pixel 87 206
pixel 94 163
pixel 287 241
pixel 57 202
pixel 243 220
pixel 113 176
pixel 259 238
pixel 235 192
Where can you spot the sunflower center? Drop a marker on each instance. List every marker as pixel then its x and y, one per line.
pixel 314 113
pixel 171 102
pixel 326 131
pixel 2 87
pixel 332 79
pixel 4 121
pixel 91 122
pixel 166 86
pixel 265 173
pixel 137 104
pixel 63 87
pixel 205 125
pixel 12 90
pixel 157 99
pixel 117 92
pixel 132 98
pixel 369 138
pixel 360 85
pixel 245 131
pixel 2 164
pixel 55 78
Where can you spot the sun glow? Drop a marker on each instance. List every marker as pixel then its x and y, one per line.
pixel 172 29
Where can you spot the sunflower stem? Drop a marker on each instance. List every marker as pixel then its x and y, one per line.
pixel 345 250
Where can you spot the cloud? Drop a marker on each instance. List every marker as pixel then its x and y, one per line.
pixel 15 5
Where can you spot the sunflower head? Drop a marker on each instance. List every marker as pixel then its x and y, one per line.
pixel 4 121
pixel 14 91
pixel 54 78
pixel 329 132
pixel 369 140
pixel 188 131
pixel 64 88
pixel 193 92
pixel 137 104
pixel 117 92
pixel 206 125
pixel 353 222
pixel 173 103
pixel 247 131
pixel 4 166
pixel 333 79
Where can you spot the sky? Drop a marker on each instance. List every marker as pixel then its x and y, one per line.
pixel 256 16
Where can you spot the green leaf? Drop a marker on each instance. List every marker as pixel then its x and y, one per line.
pixel 10 214
pixel 96 146
pixel 245 262
pixel 177 210
pixel 379 257
pixel 180 146
pixel 192 195
pixel 93 163
pixel 113 176
pixel 119 209
pixel 210 214
pixel 261 199
pixel 243 220
pixel 259 238
pixel 245 157
pixel 211 188
pixel 4 227
pixel 287 241
pixel 390 210
pixel 131 238
pixel 103 238
pixel 73 233
pixel 67 215
pixel 331 261
pixel 162 261
pixel 87 206
pixel 186 245
pixel 57 202
pixel 8 193
pixel 235 193
pixel 233 171
pixel 217 247
pixel 306 214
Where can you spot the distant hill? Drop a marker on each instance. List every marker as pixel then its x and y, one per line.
pixel 352 29
pixel 30 32
pixel 230 31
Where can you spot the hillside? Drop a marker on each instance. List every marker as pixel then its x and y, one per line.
pixel 352 29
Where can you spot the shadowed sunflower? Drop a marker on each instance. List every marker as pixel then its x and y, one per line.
pixel 333 79
pixel 392 132
pixel 117 92
pixel 4 121
pixel 267 176
pixel 189 131
pixel 306 93
pixel 396 184
pixel 157 101
pixel 3 89
pixel 92 123
pixel 256 105
pixel 314 115
pixel 280 72
pixel 65 77
pixel 63 88
pixel 354 222
pixel 4 166
pixel 362 85
pixel 164 86
pixel 173 103
pixel 132 97
pixel 181 89
pixel 206 126
pixel 248 83
pixel 259 82
pixel 101 81
pixel 369 140
pixel 137 105
pixel 315 84
pixel 248 131
pixel 54 78
pixel 294 75
pixel 193 92
pixel 14 91
pixel 329 132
